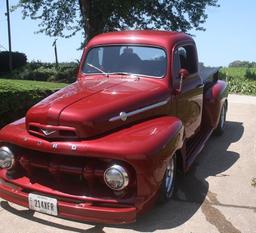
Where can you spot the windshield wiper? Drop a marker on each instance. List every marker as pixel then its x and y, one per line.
pixel 96 68
pixel 112 73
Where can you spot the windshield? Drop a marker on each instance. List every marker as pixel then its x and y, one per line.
pixel 126 59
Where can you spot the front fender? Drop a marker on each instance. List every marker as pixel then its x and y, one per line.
pixel 150 171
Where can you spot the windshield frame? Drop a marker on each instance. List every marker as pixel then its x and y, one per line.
pixel 131 74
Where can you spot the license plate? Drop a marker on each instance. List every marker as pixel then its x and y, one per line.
pixel 43 204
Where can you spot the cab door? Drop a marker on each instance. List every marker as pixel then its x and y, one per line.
pixel 189 89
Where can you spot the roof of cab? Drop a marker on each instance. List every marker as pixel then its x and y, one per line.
pixel 146 37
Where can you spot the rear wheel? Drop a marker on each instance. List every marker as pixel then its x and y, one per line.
pixel 168 183
pixel 222 121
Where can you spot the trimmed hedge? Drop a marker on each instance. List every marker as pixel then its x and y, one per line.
pixel 38 71
pixel 18 60
pixel 17 96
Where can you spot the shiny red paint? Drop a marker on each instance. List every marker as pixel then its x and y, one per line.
pixel 71 134
pixel 86 211
pixel 213 102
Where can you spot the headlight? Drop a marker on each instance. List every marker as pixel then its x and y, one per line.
pixel 6 158
pixel 116 177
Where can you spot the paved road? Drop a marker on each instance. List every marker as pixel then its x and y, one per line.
pixel 215 196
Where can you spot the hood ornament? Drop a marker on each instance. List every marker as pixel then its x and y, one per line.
pixel 48 132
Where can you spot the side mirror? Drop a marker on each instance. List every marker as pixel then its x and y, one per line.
pixel 183 74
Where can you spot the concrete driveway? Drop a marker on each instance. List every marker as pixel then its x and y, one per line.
pixel 217 195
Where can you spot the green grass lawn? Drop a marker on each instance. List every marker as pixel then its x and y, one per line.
pixel 25 85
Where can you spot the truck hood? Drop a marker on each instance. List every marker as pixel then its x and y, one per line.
pixel 97 104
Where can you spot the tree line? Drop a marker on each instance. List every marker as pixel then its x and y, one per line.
pixel 245 64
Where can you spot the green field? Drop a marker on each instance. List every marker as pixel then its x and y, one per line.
pixel 241 80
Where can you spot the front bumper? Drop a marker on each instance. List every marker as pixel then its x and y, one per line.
pixel 81 212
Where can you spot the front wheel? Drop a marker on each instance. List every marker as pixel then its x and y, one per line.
pixel 222 121
pixel 168 183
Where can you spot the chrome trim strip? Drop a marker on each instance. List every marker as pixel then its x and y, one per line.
pixel 140 110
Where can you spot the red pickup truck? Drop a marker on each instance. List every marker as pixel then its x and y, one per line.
pixel 106 147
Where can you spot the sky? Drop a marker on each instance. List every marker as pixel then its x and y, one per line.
pixel 230 35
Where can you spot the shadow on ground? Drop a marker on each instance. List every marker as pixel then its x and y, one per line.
pixel 192 190
pixel 214 160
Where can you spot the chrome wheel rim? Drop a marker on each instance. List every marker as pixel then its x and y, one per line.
pixel 169 177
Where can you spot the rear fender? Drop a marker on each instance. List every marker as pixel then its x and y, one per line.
pixel 214 99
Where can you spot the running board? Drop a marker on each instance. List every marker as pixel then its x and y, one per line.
pixel 195 146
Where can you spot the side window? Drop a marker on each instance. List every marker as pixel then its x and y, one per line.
pixel 188 58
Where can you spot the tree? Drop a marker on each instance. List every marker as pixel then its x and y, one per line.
pixel 65 18
pixel 239 63
pixel 236 63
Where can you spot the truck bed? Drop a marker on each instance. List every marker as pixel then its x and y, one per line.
pixel 209 74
